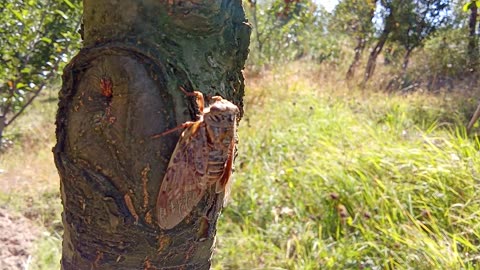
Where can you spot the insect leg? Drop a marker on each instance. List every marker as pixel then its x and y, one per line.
pixel 199 98
pixel 227 172
pixel 182 126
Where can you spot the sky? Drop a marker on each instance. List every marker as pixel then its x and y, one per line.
pixel 328 4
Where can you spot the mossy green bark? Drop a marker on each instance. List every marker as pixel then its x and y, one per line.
pixel 122 88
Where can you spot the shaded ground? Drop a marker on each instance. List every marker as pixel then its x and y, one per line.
pixel 17 235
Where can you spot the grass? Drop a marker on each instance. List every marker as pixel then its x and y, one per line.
pixel 327 177
pixel 331 178
pixel 30 183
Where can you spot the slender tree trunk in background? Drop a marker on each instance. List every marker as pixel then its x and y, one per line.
pixel 364 31
pixel 472 43
pixel 253 5
pixel 399 82
pixel 356 59
pixel 387 56
pixel 122 88
pixel 372 59
pixel 406 59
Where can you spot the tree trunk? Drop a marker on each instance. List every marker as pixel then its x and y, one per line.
pixel 122 88
pixel 472 43
pixel 358 53
pixel 253 5
pixel 372 59
pixel 406 59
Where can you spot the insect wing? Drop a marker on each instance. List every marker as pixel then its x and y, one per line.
pixel 185 181
pixel 227 172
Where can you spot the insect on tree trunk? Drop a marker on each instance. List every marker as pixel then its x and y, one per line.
pixel 121 89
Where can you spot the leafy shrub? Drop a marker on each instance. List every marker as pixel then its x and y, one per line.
pixel 38 37
pixel 445 53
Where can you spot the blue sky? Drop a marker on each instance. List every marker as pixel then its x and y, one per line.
pixel 328 4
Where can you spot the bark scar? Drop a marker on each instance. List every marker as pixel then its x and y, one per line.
pixel 106 86
pixel 97 259
pixel 131 208
pixel 106 89
pixel 147 265
pixel 145 172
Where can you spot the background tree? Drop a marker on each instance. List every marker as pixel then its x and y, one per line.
pixel 408 23
pixel 288 30
pixel 417 20
pixel 37 38
pixel 122 88
pixel 274 24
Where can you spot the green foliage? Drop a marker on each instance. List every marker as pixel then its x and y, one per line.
pixel 417 19
pixel 445 53
pixel 469 4
pixel 47 252
pixel 38 37
pixel 289 30
pixel 354 17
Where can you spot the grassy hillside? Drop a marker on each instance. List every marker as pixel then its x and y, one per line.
pixel 331 178
pixel 327 177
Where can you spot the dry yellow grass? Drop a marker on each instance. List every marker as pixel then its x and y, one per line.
pixel 27 166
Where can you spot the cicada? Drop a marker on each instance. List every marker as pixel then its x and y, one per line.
pixel 202 157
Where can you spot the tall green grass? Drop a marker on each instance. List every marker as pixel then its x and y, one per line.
pixel 327 177
pixel 331 178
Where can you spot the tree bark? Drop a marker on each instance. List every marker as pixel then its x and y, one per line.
pixel 472 42
pixel 356 59
pixel 362 27
pixel 372 59
pixel 406 59
pixel 122 88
